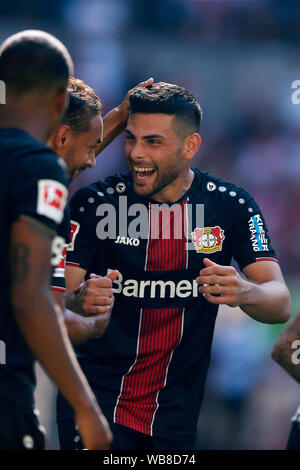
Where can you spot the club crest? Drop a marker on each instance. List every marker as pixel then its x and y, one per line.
pixel 208 239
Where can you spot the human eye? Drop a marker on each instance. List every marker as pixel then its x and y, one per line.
pixel 154 141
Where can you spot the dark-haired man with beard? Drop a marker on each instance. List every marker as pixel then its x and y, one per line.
pixel 171 232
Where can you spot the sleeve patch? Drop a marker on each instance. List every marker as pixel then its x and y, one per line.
pixel 75 226
pixel 52 198
pixel 257 233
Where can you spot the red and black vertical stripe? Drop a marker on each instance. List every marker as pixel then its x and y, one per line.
pixel 160 329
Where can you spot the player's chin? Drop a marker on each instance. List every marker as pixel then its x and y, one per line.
pixel 143 190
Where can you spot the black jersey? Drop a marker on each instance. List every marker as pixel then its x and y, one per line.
pixel 152 361
pixel 33 183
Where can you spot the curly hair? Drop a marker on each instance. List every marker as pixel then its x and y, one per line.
pixel 84 103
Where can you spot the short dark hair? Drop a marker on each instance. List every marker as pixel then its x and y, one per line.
pixel 34 60
pixel 84 103
pixel 167 98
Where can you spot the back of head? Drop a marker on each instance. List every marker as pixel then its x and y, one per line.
pixel 34 61
pixel 166 98
pixel 84 103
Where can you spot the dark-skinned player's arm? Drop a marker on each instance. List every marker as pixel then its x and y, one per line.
pixel 88 312
pixel 286 350
pixel 114 122
pixel 42 326
pixel 263 295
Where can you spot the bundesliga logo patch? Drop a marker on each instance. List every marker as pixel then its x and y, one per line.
pixel 208 239
pixel 52 198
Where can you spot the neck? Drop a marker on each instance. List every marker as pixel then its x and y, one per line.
pixel 26 115
pixel 177 188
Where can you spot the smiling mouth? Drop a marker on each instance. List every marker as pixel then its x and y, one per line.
pixel 143 174
pixel 77 171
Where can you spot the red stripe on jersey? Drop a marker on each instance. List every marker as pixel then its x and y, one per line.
pixel 267 259
pixel 61 289
pixel 70 263
pixel 160 329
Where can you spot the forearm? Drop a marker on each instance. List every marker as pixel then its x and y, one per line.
pixel 287 347
pixel 71 303
pixel 268 302
pixel 80 328
pixel 42 326
pixel 113 124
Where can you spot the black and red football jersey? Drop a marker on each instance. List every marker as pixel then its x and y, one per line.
pixel 33 183
pixel 151 363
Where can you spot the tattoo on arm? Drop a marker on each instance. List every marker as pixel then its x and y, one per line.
pixel 19 262
pixel 38 228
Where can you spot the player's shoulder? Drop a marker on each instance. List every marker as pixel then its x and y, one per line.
pixel 222 190
pixel 103 191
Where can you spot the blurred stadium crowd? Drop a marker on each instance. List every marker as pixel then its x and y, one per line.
pixel 239 58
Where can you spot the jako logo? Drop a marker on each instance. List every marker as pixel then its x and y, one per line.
pixel 128 241
pixel 2 92
pixel 2 352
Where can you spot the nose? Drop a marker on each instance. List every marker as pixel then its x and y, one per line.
pixel 91 161
pixel 137 152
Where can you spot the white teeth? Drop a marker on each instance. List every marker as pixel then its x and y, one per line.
pixel 138 169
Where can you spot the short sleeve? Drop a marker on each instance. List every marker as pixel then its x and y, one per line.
pixel 250 237
pixel 83 240
pixel 40 189
pixel 58 282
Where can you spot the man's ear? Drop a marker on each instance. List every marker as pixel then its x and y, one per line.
pixel 62 137
pixel 191 145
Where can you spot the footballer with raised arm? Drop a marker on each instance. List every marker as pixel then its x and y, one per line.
pixel 80 137
pixel 171 232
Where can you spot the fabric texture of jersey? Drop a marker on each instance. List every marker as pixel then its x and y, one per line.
pixel 152 361
pixel 33 183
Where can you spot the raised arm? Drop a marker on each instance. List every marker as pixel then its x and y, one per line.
pixel 114 122
pixel 42 326
pixel 286 350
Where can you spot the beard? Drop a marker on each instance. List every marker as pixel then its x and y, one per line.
pixel 73 169
pixel 163 177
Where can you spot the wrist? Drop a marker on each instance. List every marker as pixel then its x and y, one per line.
pixel 121 114
pixel 247 296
